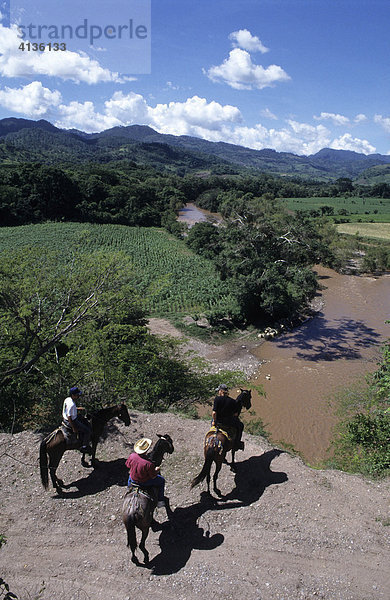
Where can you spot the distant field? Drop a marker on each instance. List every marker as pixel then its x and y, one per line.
pixel 169 277
pixel 372 230
pixel 375 209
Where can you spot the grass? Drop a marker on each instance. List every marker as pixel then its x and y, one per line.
pixel 170 278
pixel 369 230
pixel 356 207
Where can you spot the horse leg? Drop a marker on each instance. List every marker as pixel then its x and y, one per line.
pixel 233 464
pixel 93 459
pixel 218 465
pixel 145 533
pixel 208 478
pixel 131 539
pixel 54 461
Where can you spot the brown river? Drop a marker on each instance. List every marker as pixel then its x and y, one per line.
pixel 305 368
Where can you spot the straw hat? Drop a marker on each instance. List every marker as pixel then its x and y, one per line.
pixel 142 445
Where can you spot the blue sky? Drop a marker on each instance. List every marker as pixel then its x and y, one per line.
pixel 293 75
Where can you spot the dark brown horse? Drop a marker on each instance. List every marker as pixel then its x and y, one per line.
pixel 54 445
pixel 217 444
pixel 139 503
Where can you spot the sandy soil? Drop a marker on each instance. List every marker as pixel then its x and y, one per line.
pixel 232 355
pixel 281 530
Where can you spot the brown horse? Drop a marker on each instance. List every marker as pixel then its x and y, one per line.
pixel 139 503
pixel 217 444
pixel 54 445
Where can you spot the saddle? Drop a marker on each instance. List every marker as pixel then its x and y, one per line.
pixel 228 432
pixel 149 492
pixel 231 434
pixel 72 439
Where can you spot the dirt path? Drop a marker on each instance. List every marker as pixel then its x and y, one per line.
pixel 282 531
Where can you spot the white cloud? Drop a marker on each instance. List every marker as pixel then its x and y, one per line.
pixel 244 39
pixel 335 118
pixel 347 142
pixel 268 114
pixel 383 121
pixel 32 100
pixel 66 65
pixel 241 73
pixel 83 116
pixel 360 118
pixel 128 108
pixel 195 116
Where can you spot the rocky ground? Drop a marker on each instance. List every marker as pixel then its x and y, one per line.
pixel 234 355
pixel 280 530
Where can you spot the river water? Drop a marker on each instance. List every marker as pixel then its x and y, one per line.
pixel 191 214
pixel 305 368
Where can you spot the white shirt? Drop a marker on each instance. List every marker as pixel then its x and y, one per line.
pixel 69 409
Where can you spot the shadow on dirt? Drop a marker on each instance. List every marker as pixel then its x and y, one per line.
pixel 252 477
pixel 106 475
pixel 189 528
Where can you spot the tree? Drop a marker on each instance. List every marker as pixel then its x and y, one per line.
pixel 43 300
pixel 80 322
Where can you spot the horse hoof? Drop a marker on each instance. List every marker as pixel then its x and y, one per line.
pixel 135 560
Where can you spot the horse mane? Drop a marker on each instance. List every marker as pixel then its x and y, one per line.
pixel 163 444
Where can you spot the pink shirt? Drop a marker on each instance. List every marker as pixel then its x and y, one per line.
pixel 140 469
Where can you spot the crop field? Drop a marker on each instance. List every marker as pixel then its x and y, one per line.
pixel 370 230
pixel 168 276
pixel 353 208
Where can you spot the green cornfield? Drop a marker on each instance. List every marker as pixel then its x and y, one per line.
pixel 168 276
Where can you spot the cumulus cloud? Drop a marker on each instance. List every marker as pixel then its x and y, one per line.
pixel 245 40
pixel 83 116
pixel 383 121
pixel 32 100
pixel 241 73
pixel 360 118
pixel 195 116
pixel 347 142
pixel 67 65
pixel 335 118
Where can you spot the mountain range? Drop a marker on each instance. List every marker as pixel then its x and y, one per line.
pixel 28 140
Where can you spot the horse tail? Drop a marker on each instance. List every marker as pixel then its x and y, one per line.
pixel 130 518
pixel 43 464
pixel 206 468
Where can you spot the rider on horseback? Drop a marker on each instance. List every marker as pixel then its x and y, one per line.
pixel 143 472
pixel 72 421
pixel 225 413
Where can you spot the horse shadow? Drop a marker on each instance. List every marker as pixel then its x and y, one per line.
pixel 110 473
pixel 252 477
pixel 183 533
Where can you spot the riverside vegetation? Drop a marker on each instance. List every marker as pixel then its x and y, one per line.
pixel 93 256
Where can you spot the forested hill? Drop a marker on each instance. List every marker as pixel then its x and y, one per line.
pixel 24 140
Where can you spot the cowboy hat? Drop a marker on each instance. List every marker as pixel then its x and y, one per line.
pixel 142 445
